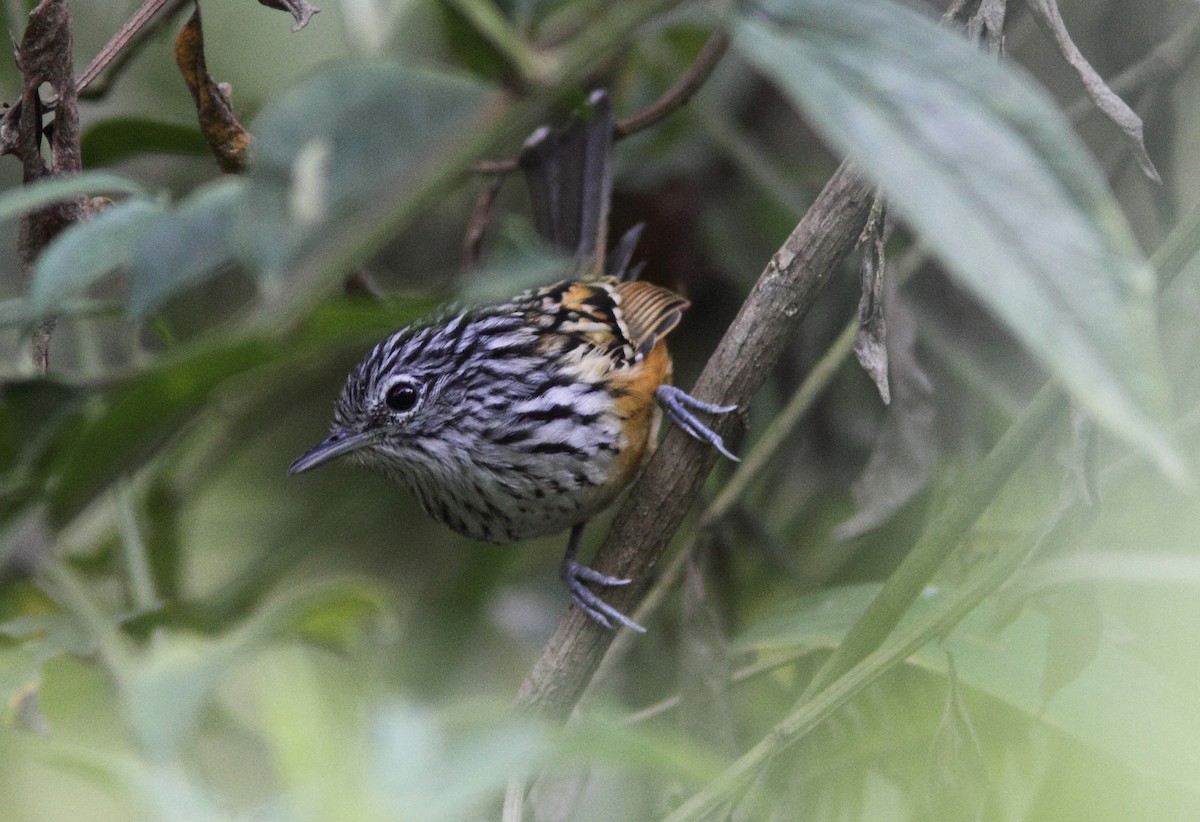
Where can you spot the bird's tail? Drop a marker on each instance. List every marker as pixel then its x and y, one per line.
pixel 569 174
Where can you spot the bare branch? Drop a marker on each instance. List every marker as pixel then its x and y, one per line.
pixel 123 45
pixel 683 89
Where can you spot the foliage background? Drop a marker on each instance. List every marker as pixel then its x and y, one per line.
pixel 187 633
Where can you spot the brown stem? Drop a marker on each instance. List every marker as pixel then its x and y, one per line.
pixel 683 89
pixel 673 98
pixel 673 479
pixel 477 227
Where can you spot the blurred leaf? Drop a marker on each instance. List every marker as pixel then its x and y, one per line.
pixel 391 761
pixel 1075 628
pixel 331 611
pixel 127 422
pixel 376 119
pixel 32 641
pixel 184 246
pixel 958 780
pixel 607 740
pixel 172 684
pixel 1120 703
pixel 163 503
pixel 705 699
pixel 81 255
pixel 110 141
pixel 20 311
pixel 33 414
pixel 475 52
pixel 980 162
pixel 905 452
pixel 31 411
pixel 453 771
pixel 396 760
pixel 816 620
pixel 17 201
pixel 137 416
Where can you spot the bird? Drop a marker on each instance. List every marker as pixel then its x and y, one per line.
pixel 528 417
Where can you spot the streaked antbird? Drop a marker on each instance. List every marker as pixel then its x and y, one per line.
pixel 525 418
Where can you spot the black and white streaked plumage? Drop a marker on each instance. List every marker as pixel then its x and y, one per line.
pixel 528 417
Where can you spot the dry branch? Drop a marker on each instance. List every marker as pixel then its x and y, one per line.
pixel 45 58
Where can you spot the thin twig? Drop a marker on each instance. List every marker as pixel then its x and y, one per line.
pixel 763 666
pixel 135 30
pixel 676 96
pixel 481 217
pixel 1166 59
pixel 683 89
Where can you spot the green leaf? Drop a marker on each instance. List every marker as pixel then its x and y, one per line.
pixel 1119 703
pixel 26 644
pixel 20 311
pixel 124 428
pixel 818 620
pixel 18 201
pixel 977 159
pixel 330 143
pixel 173 683
pixel 184 246
pixel 958 780
pixel 128 422
pixel 87 251
pixel 119 138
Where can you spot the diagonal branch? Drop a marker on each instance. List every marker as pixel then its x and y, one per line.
pixel 672 481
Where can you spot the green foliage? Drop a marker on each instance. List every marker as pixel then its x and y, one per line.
pixel 950 136
pixel 186 633
pixel 108 142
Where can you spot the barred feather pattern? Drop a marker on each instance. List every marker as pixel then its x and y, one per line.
pixel 531 415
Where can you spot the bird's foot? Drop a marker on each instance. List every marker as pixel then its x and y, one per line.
pixel 679 406
pixel 575 574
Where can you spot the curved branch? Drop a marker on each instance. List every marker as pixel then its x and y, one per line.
pixel 673 98
pixel 671 482
pixel 683 89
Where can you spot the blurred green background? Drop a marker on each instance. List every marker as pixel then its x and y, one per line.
pixel 188 633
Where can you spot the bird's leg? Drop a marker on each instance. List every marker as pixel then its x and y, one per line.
pixel 574 574
pixel 679 406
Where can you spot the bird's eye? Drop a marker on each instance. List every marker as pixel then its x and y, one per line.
pixel 401 397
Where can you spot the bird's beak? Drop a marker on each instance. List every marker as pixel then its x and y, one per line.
pixel 335 445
